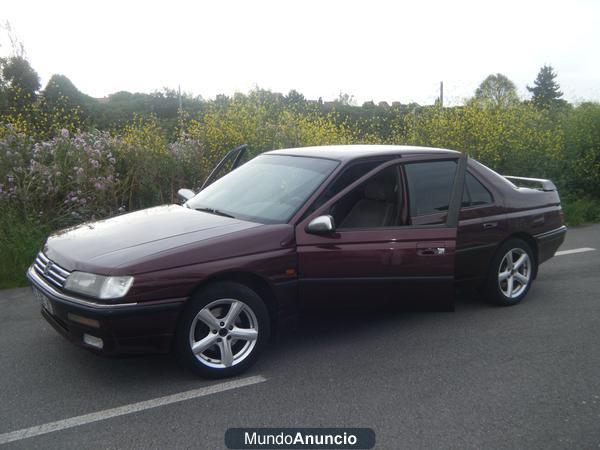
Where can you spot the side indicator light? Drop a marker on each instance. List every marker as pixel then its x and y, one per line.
pixel 83 320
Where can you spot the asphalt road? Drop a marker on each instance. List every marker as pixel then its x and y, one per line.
pixel 482 377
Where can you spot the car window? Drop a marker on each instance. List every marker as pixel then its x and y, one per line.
pixel 352 173
pixel 429 186
pixel 376 203
pixel 475 193
pixel 267 189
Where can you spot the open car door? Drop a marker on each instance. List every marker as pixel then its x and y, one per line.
pixel 398 256
pixel 230 161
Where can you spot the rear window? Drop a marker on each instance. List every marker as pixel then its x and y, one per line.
pixel 429 186
pixel 475 193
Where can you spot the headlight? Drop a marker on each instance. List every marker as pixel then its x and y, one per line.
pixel 98 286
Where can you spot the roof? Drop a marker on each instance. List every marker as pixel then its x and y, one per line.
pixel 348 152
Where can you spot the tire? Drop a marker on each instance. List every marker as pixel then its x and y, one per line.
pixel 507 284
pixel 213 351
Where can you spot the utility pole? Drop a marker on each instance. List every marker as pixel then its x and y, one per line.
pixel 179 95
pixel 441 94
pixel 180 112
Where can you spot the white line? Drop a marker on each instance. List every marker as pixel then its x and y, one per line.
pixel 127 409
pixel 575 250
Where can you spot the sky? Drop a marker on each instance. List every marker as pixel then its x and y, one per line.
pixel 372 50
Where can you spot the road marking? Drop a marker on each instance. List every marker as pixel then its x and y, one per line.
pixel 575 250
pixel 127 409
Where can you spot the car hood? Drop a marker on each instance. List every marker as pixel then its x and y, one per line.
pixel 124 241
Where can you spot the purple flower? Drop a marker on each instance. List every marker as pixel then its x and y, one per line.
pixel 64 133
pixel 100 186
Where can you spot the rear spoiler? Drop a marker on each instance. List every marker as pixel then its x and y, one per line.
pixel 544 185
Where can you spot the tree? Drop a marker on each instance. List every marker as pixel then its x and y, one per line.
pixel 345 99
pixel 59 87
pixel 546 91
pixel 22 82
pixel 496 91
pixel 295 98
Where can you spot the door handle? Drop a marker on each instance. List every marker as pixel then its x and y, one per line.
pixel 432 251
pixel 489 225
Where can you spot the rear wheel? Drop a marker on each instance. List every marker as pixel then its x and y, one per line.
pixel 223 330
pixel 511 273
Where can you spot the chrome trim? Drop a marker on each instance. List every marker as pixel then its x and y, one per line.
pixel 547 234
pixel 321 225
pixel 49 270
pixel 48 289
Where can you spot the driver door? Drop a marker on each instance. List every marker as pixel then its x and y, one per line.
pixel 401 260
pixel 232 159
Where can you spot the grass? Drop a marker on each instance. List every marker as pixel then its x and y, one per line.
pixel 581 210
pixel 20 240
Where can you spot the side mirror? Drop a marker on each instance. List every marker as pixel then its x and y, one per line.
pixel 321 225
pixel 185 194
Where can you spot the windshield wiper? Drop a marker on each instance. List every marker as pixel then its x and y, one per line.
pixel 214 211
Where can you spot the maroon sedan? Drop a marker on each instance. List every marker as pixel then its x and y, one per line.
pixel 288 230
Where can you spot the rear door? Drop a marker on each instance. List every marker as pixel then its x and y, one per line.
pixel 481 228
pixel 368 259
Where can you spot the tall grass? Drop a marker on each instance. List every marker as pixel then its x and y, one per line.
pixel 20 240
pixel 581 210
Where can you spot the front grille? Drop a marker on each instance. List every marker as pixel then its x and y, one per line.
pixel 51 271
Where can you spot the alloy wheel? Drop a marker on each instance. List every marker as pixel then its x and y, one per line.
pixel 223 333
pixel 514 273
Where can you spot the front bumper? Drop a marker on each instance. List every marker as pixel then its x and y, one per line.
pixel 123 327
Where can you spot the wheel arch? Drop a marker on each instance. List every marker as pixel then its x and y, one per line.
pixel 530 240
pixel 251 280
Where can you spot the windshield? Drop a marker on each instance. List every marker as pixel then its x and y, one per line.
pixel 267 189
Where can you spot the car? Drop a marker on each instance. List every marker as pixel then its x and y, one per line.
pixel 288 230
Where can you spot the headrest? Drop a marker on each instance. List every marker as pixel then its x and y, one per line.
pixel 377 190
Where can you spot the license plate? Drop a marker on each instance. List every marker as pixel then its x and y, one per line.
pixel 45 301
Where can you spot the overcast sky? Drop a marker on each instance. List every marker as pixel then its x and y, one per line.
pixel 373 50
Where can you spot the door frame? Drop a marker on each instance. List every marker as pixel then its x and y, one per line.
pixel 236 153
pixel 453 207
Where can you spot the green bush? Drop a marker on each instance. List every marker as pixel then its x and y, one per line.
pixel 580 211
pixel 20 240
pixel 61 181
pixel 53 175
pixel 580 173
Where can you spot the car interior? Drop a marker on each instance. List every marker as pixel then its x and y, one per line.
pixel 374 204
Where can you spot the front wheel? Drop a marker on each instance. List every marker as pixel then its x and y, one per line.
pixel 223 330
pixel 511 273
